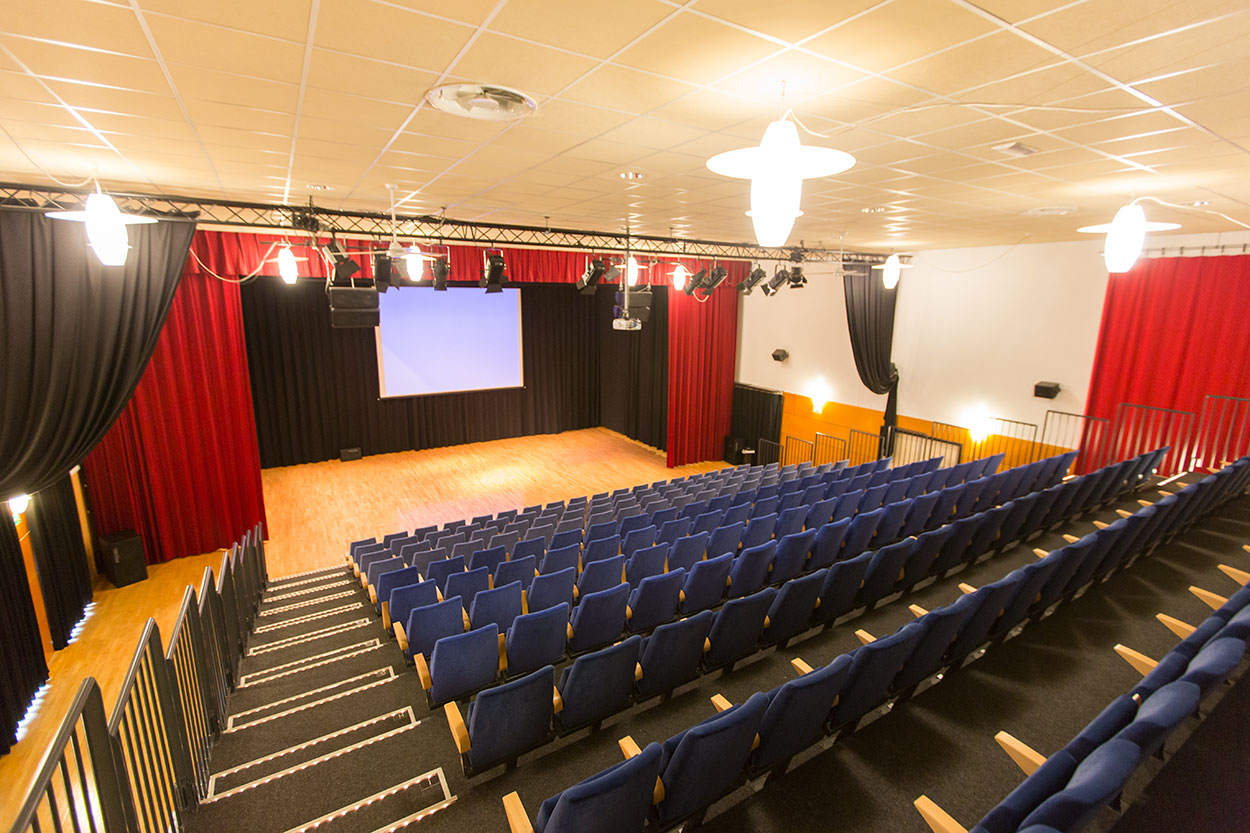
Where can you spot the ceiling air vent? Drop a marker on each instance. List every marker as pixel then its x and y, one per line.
pixel 1017 149
pixel 484 102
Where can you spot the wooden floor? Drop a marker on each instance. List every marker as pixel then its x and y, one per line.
pixel 314 510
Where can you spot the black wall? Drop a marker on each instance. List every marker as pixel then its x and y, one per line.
pixel 633 372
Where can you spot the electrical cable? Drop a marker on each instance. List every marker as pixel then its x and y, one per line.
pixel 41 168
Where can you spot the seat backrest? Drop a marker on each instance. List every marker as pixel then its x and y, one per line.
pixel 404 598
pixel 598 684
pixel 463 663
pixel 654 601
pixel 616 800
pixel 796 714
pixel 600 575
pixel 671 654
pixel 750 569
pixel 1097 780
pixel 827 548
pixel 791 557
pixel 885 570
pixel 759 530
pixel 819 513
pixel 439 571
pixel 1045 781
pixel 649 561
pixel 737 628
pixel 841 587
pixel 638 539
pixel 559 558
pixel 873 497
pixel 863 527
pixel 993 599
pixel 537 639
pixel 467 585
pixel 919 564
pixel 601 548
pixel 488 558
pixel 551 589
pixel 791 611
pixel 672 529
pixel 522 570
pixel 391 579
pixel 513 718
pixel 940 627
pixel 687 551
pixel 893 515
pixel 873 668
pixel 499 606
pixel 599 618
pixel 705 583
pixel 725 539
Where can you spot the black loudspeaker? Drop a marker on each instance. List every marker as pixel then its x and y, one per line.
pixel 734 451
pixel 780 355
pixel 123 558
pixel 346 454
pixel 1046 390
pixel 353 306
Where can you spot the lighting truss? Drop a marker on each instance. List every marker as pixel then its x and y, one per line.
pixel 444 230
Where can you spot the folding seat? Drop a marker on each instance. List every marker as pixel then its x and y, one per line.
pixel 601 530
pixel 395 536
pixel 601 548
pixel 1069 560
pixel 397 545
pixel 670 656
pixel 724 539
pixel 860 482
pixel 630 523
pixel 401 601
pixel 872 498
pixel 790 486
pixel 959 473
pixel 790 501
pixel 620 492
pixel 750 569
pixel 1044 782
pixel 706 522
pixel 662 515
pixel 1215 662
pixel 827 547
pixel 848 504
pixel 439 571
pixel 1065 505
pixel 1009 488
pixel 706 583
pixel 813 494
pixel 1034 578
pixel 638 539
pixel 919 564
pixel 719 503
pixel 819 513
pixel 671 530
pixel 885 572
pixel 1097 781
pixel 938 630
pixel 976 628
pixel 940 479
pixel 873 668
pixel 654 600
pixel 766 492
pixel 1160 714
pixel 897 491
pixel 1040 510
pixel 597 685
pixel 918 485
pixel 569 537
pixel 1017 512
pixel 530 546
pixel 503 723
pixel 985 537
pixel 387 582
pixel 759 531
pixel 507 540
pixel 891 523
pixel 369 557
pixel 705 761
pixel 421 533
pixel 499 606
pixel 536 639
pixel 450 539
pixel 687 550
pixel 693 509
pixel 489 558
pixel 377 568
pixel 841 588
pixel 951 555
pixel 944 509
pixel 767 506
pixel 858 537
pixel 837 488
pixel 1090 559
pixel 737 628
pixel 881 477
pixel 363 545
pixel 465 549
pixel 429 623
pixel 918 512
pixel 601 575
pixel 791 611
pixel 791 556
pixel 991 463
pixel 790 521
pixel 796 715
pixel 598 619
pixel 467 585
pixel 744 497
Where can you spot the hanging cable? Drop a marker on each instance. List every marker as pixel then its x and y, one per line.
pixel 41 168
pixel 989 262
pixel 249 276
pixel 1195 208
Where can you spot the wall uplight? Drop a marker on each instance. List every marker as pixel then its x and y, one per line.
pixel 820 393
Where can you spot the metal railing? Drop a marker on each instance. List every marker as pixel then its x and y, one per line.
pixel 828 449
pixel 1223 432
pixel 1140 428
pixel 1015 440
pixel 1063 431
pixel 862 447
pixel 797 450
pixel 188 660
pixel 954 435
pixel 767 451
pixel 913 446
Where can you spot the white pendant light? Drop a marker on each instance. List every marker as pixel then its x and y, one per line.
pixel 777 168
pixel 18 504
pixel 106 227
pixel 1126 235
pixel 891 270
pixel 286 265
pixel 632 270
pixel 679 277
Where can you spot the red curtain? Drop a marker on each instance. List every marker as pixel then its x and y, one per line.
pixel 1173 331
pixel 181 465
pixel 702 349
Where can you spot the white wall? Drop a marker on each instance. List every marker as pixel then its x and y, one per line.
pixel 974 329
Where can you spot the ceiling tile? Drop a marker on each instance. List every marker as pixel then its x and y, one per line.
pixel 872 41
pixel 385 31
pixel 974 63
pixel 590 28
pixel 626 90
pixel 78 22
pixel 286 19
pixel 791 21
pixel 696 50
pixel 228 88
pixel 201 45
pixel 535 70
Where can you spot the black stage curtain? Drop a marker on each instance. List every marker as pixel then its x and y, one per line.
pixel 756 414
pixel 315 388
pixel 21 649
pixel 870 318
pixel 60 558
pixel 76 337
pixel 633 371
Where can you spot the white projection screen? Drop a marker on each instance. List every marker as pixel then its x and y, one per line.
pixel 461 339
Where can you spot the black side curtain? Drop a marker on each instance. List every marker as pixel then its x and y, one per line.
pixel 756 414
pixel 21 650
pixel 633 371
pixel 60 558
pixel 870 318
pixel 75 337
pixel 315 388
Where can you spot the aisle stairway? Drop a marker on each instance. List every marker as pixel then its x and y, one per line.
pixel 326 727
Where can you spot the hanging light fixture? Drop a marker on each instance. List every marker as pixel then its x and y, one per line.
pixel 777 168
pixel 18 504
pixel 1126 234
pixel 286 265
pixel 679 277
pixel 632 270
pixel 891 270
pixel 106 226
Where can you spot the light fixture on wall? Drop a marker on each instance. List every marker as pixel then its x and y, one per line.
pixel 891 270
pixel 106 226
pixel 820 393
pixel 980 423
pixel 777 168
pixel 1126 235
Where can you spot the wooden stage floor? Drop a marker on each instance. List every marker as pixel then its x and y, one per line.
pixel 314 511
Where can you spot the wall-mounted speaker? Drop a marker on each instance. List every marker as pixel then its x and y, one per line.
pixel 353 306
pixel 780 355
pixel 1046 390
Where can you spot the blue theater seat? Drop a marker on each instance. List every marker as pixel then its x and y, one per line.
pixel 530 546
pixel 537 639
pixel 791 556
pixel 616 800
pixel 707 522
pixel 724 539
pixel 488 558
pixel 827 547
pixel 938 630
pixel 672 529
pixel 598 684
pixel 504 722
pixel 894 514
pixel 499 606
pixel 796 715
pixel 873 669
pixel 790 521
pixel 559 558
pixel 759 531
pixel 992 599
pixel 791 612
pixel 462 664
pixel 654 601
pixel 1097 780
pixel 647 562
pixel 522 570
pixel 638 539
pixel 750 569
pixel 737 628
pixel 440 571
pixel 598 619
pixel 403 599
pixel 467 585
pixel 863 527
pixel 1160 714
pixel 1044 782
pixel 600 548
pixel 885 571
pixel 841 588
pixel 387 582
pixel 671 655
pixel 429 623
pixel 551 589
pixel 706 583
pixel 819 513
pixel 919 565
pixel 600 575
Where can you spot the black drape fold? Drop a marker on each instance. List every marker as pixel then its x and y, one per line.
pixel 756 414
pixel 75 337
pixel 633 371
pixel 21 649
pixel 315 388
pixel 870 319
pixel 60 557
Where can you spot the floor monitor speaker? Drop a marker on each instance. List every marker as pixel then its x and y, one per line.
pixel 123 558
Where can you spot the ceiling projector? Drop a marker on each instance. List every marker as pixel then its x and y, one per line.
pixel 626 324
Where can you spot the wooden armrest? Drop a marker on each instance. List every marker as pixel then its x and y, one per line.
pixel 966 588
pixel 569 630
pixel 503 653
pixel 767 622
pixel 1101 524
pixel 629 612
pixel 1176 626
pixel 401 637
pixel 938 819
pixel 459 732
pixel 1145 503
pixel 364 580
pixel 1165 494
pixel 577 594
pixel 1246 547
pixel 755 744
pixel 707 645
pixel 423 670
pixel 637 671
pixel 355 568
pixel 557 703
pixel 373 595
pixel 729 581
pixel 657 795
pixel 681 595
pixel 1141 663
pixel 518 821
pixel 918 611
pixel 721 703
pixel 1025 756
pixel 800 667
pixel 1213 600
pixel 864 636
pixel 465 617
pixel 1040 553
pixel 1071 539
pixel 386 616
pixel 1124 513
pixel 628 747
pixel 439 594
pixel 525 601
pixel 1239 576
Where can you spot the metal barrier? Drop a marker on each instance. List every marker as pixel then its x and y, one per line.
pixel 767 452
pixel 1140 428
pixel 1223 432
pixel 862 447
pixel 828 449
pixel 216 650
pixel 953 435
pixel 1015 440
pixel 1063 431
pixel 913 446
pixel 188 660
pixel 797 451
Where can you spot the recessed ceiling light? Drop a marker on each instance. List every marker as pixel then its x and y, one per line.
pixel 1200 203
pixel 876 209
pixel 485 102
pixel 316 186
pixel 1017 149
pixel 1049 211
pixel 633 175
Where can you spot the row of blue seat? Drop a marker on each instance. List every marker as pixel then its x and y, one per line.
pixel 678 780
pixel 1067 790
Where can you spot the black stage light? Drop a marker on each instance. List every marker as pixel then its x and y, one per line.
pixel 695 281
pixel 716 278
pixel 383 268
pixel 797 279
pixel 779 279
pixel 753 279
pixel 344 266
pixel 440 269
pixel 492 273
pixel 589 280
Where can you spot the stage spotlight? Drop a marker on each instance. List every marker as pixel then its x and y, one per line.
pixel 752 281
pixel 492 273
pixel 715 279
pixel 383 271
pixel 695 281
pixel 780 278
pixel 440 269
pixel 797 279
pixel 589 280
